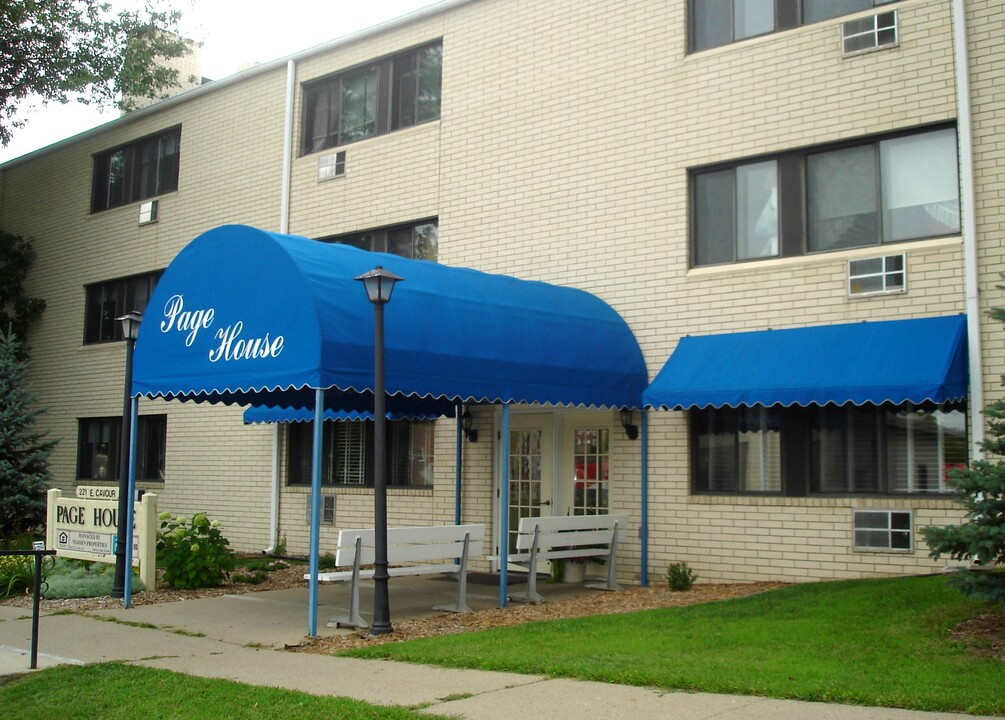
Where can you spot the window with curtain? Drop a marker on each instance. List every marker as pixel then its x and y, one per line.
pixel 374 99
pixel 347 453
pixel 829 450
pixel 142 169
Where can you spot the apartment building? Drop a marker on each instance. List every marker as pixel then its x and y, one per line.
pixel 795 206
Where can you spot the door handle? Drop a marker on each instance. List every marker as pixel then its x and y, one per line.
pixel 545 502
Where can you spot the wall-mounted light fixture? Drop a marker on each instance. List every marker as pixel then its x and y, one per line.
pixel 631 429
pixel 467 423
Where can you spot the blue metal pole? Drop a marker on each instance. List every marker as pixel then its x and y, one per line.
pixel 504 509
pixel 134 412
pixel 458 457
pixel 644 526
pixel 312 585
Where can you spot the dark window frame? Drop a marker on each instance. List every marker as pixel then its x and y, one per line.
pixel 95 462
pixel 399 454
pixel 147 167
pixel 800 458
pixel 788 14
pixel 394 239
pixel 399 98
pixel 105 302
pixel 793 197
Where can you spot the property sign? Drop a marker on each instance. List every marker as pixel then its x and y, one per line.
pixel 88 529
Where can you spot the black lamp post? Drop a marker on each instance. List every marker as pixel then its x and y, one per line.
pixel 130 329
pixel 379 284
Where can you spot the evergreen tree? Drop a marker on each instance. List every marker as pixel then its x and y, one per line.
pixel 24 452
pixel 981 538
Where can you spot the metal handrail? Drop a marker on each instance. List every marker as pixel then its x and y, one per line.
pixel 36 596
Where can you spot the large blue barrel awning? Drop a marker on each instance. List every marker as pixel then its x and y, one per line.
pixel 251 317
pixel 897 361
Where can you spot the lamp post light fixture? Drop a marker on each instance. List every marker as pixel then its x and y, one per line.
pixel 627 422
pixel 379 284
pixel 130 329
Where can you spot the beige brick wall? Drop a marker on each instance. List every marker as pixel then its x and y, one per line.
pixel 567 133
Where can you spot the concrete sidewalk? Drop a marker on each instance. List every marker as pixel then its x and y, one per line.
pixel 240 632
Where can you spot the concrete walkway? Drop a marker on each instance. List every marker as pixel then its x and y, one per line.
pixel 240 634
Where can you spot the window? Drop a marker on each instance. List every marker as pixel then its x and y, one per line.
pixel 419 241
pixel 713 23
pixel 857 194
pixel 591 456
pixel 142 169
pixel 826 450
pixel 736 214
pixel 871 276
pixel 98 441
pixel 869 33
pixel 720 22
pixel 882 530
pixel 380 97
pixel 347 460
pixel 108 301
pixel 737 451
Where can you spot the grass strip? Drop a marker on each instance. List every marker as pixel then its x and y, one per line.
pixel 114 691
pixel 871 642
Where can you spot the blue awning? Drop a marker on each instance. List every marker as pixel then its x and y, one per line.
pixel 252 317
pixel 897 361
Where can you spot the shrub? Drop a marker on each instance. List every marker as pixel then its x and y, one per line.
pixel 17 574
pixel 193 554
pixel 82 579
pixel 680 577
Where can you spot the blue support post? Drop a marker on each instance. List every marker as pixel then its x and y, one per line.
pixel 644 525
pixel 458 457
pixel 312 585
pixel 504 508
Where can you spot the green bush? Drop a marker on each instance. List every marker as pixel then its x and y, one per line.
pixel 193 554
pixel 680 577
pixel 17 574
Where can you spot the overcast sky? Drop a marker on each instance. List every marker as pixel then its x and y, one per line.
pixel 234 34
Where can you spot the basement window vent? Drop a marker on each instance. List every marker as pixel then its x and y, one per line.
pixel 883 530
pixel 331 166
pixel 327 510
pixel 877 275
pixel 870 33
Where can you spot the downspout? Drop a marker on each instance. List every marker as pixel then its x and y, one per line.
pixel 968 210
pixel 284 228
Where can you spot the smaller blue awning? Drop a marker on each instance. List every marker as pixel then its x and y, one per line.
pixel 896 361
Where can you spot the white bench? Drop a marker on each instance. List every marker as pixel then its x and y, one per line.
pixel 427 550
pixel 565 537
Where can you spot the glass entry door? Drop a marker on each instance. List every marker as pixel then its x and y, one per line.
pixel 530 470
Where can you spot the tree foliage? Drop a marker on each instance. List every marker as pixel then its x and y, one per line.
pixel 24 451
pixel 981 538
pixel 57 49
pixel 17 309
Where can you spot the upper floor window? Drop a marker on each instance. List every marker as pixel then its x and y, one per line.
pixel 374 99
pixel 713 23
pixel 856 194
pixel 98 447
pixel 141 169
pixel 347 454
pixel 418 241
pixel 108 301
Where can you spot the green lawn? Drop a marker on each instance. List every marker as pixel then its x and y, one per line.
pixel 113 691
pixel 869 642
